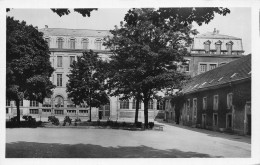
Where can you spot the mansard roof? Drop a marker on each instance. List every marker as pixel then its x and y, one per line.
pixel 213 35
pixel 232 72
pixel 74 32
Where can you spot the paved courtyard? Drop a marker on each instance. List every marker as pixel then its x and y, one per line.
pixel 173 142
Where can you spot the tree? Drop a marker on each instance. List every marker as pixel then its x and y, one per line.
pixel 28 69
pixel 86 81
pixel 146 49
pixel 65 11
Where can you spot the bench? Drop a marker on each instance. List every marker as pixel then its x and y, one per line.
pixel 158 127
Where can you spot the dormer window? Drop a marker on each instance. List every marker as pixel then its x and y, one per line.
pixel 207 46
pixel 98 43
pixel 72 43
pixel 60 43
pixel 218 47
pixel 229 46
pixel 85 43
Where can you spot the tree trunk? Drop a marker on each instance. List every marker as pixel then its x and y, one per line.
pixel 90 113
pixel 146 101
pixel 136 109
pixel 18 111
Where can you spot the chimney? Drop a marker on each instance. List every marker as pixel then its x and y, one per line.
pixel 46 26
pixel 217 31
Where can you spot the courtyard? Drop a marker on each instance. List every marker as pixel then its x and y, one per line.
pixel 173 142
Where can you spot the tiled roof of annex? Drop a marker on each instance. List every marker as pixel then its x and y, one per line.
pixel 234 71
pixel 74 32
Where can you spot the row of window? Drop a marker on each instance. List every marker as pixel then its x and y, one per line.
pixel 218 47
pixel 72 43
pixel 124 104
pixel 58 112
pixel 60 60
pixel 205 102
pixel 203 66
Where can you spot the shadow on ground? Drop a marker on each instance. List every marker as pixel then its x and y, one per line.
pixel 56 150
pixel 233 137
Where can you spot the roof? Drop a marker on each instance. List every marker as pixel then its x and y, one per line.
pixel 232 72
pixel 214 35
pixel 74 32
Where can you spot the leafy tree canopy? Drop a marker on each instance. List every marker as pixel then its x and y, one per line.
pixel 86 81
pixel 27 62
pixel 83 11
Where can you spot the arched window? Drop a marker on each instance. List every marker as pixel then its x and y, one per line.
pixel 98 43
pixel 60 43
pixel 85 43
pixel 59 101
pixel 160 105
pixel 229 47
pixel 72 43
pixel 218 47
pixel 207 46
pixel 124 104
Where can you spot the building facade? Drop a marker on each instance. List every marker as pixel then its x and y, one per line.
pixel 208 51
pixel 65 46
pixel 220 99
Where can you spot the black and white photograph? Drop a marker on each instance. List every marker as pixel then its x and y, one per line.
pixel 105 84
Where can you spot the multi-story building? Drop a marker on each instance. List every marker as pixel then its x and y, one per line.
pixel 208 51
pixel 220 99
pixel 65 45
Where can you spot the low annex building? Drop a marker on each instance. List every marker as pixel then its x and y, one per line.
pixel 220 99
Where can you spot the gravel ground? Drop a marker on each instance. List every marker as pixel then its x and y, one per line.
pixel 172 142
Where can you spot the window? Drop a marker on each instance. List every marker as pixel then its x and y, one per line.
pixel 218 47
pixel 207 46
pixel 212 66
pixel 160 105
pixel 71 112
pixel 215 102
pixel 46 110
pixel 59 61
pixel 134 104
pixel 105 110
pixel 229 47
pixel 83 111
pixel 34 111
pixel 195 108
pixel 85 44
pixel 150 104
pixel 8 103
pixel 60 43
pixel 188 105
pixel 59 80
pixel 229 100
pixel 124 104
pixel 58 112
pixel 59 102
pixel 48 40
pixel 72 43
pixel 229 121
pixel 98 43
pixel 7 111
pixel 20 103
pixel 203 68
pixel 215 119
pixel 204 107
pixel 72 59
pixel 34 103
pixel 186 66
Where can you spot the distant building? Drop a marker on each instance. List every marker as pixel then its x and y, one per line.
pixel 65 45
pixel 220 99
pixel 211 50
pixel 208 51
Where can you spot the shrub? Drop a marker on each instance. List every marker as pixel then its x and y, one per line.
pixel 151 125
pixel 109 122
pixel 54 120
pixel 78 120
pixel 98 122
pixel 14 119
pixel 138 124
pixel 123 124
pixel 29 120
pixel 67 119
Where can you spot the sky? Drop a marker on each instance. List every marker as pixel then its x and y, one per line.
pixel 237 23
